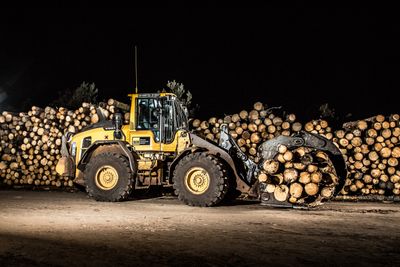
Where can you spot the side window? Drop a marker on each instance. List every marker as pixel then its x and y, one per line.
pixel 143 121
pixel 180 116
pixel 174 119
pixel 169 121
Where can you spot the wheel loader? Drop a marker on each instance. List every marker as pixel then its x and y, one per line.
pixel 156 148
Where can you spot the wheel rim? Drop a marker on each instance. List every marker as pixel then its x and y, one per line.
pixel 106 177
pixel 197 180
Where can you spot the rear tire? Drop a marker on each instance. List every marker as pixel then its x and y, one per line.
pixel 200 180
pixel 108 177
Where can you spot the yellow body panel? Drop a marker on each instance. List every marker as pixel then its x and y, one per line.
pixel 180 142
pixel 134 140
pixel 97 134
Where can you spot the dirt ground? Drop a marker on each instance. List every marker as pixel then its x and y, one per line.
pixel 68 229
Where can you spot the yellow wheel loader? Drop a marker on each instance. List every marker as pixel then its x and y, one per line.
pixel 156 148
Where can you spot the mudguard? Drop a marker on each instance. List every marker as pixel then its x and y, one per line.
pixel 132 157
pixel 200 144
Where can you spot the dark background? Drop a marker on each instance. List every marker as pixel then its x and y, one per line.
pixel 228 58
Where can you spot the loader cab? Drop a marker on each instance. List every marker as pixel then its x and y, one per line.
pixel 156 118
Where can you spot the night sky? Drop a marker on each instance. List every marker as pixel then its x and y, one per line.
pixel 299 58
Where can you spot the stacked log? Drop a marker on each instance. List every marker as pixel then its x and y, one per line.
pixel 371 148
pixel 320 127
pixel 107 110
pixel 30 142
pixel 249 128
pixel 301 176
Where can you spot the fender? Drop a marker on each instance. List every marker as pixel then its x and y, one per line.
pixel 199 144
pixel 122 145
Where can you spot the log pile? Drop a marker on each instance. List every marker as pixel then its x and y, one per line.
pixel 320 127
pixel 30 141
pixel 301 176
pixel 107 109
pixel 249 128
pixel 30 148
pixel 371 148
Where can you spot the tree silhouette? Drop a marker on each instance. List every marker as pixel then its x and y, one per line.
pixel 86 92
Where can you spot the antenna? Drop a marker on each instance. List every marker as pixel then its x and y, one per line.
pixel 136 76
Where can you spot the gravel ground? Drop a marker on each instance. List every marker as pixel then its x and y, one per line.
pixel 68 229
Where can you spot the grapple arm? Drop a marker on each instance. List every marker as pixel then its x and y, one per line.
pixel 269 149
pixel 226 142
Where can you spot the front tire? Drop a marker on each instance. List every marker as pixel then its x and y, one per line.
pixel 201 180
pixel 108 177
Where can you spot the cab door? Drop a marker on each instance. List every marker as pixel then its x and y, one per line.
pixel 167 125
pixel 172 121
pixel 147 135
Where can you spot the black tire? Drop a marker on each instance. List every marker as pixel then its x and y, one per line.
pixel 218 180
pixel 124 185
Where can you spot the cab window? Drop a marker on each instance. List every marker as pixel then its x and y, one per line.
pixel 147 114
pixel 174 119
